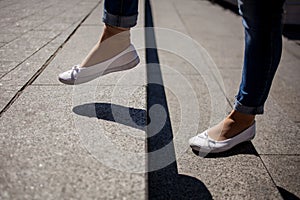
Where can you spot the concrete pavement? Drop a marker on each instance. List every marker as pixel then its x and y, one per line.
pixel 49 132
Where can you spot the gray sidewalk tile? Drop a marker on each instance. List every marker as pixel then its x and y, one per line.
pixel 8 37
pixel 62 37
pixel 14 29
pixel 37 16
pixel 41 34
pixel 30 23
pixel 6 3
pixel 190 115
pixel 7 54
pixel 276 133
pixel 234 177
pixel 24 43
pixel 96 17
pixel 284 170
pixel 172 20
pixel 21 48
pixel 7 93
pixel 52 162
pixel 54 24
pixel 57 8
pixel 231 78
pixel 211 33
pixel 286 96
pixel 21 74
pixel 71 54
pixel 211 19
pixel 172 63
pixel 6 66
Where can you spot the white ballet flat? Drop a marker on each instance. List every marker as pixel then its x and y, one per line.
pixel 203 143
pixel 127 59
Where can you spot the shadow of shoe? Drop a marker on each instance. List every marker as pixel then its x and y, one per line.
pixel 132 117
pixel 242 148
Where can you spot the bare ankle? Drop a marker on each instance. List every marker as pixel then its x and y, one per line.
pixel 113 41
pixel 241 118
pixel 110 31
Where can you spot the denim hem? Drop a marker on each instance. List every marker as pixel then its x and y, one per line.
pixel 119 21
pixel 247 109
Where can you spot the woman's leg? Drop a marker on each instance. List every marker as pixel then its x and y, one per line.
pixel 263 44
pixel 113 51
pixel 119 16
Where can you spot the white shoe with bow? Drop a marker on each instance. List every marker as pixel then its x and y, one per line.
pixel 127 59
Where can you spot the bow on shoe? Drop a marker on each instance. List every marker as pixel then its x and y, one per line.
pixel 75 71
pixel 206 143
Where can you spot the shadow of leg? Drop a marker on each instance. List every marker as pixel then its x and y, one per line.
pixel 286 195
pixel 132 117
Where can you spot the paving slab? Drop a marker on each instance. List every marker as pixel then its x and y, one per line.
pixel 276 133
pixel 7 3
pixel 30 23
pixel 231 78
pixel 45 157
pixel 6 66
pixel 284 170
pixel 7 93
pixel 4 37
pixel 172 21
pixel 96 16
pixel 234 177
pixel 70 55
pixel 64 35
pixel 42 34
pixel 54 24
pixel 7 54
pixel 286 97
pixel 23 44
pixel 21 74
pixel 17 75
pixel 286 83
pixel 174 64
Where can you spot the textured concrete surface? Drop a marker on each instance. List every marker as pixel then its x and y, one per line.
pixel 45 157
pixel 51 136
pixel 234 177
pixel 283 170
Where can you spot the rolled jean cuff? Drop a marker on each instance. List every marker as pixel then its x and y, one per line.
pixel 119 21
pixel 247 109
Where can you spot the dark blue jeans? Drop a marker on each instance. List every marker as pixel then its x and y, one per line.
pixel 263 45
pixel 120 13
